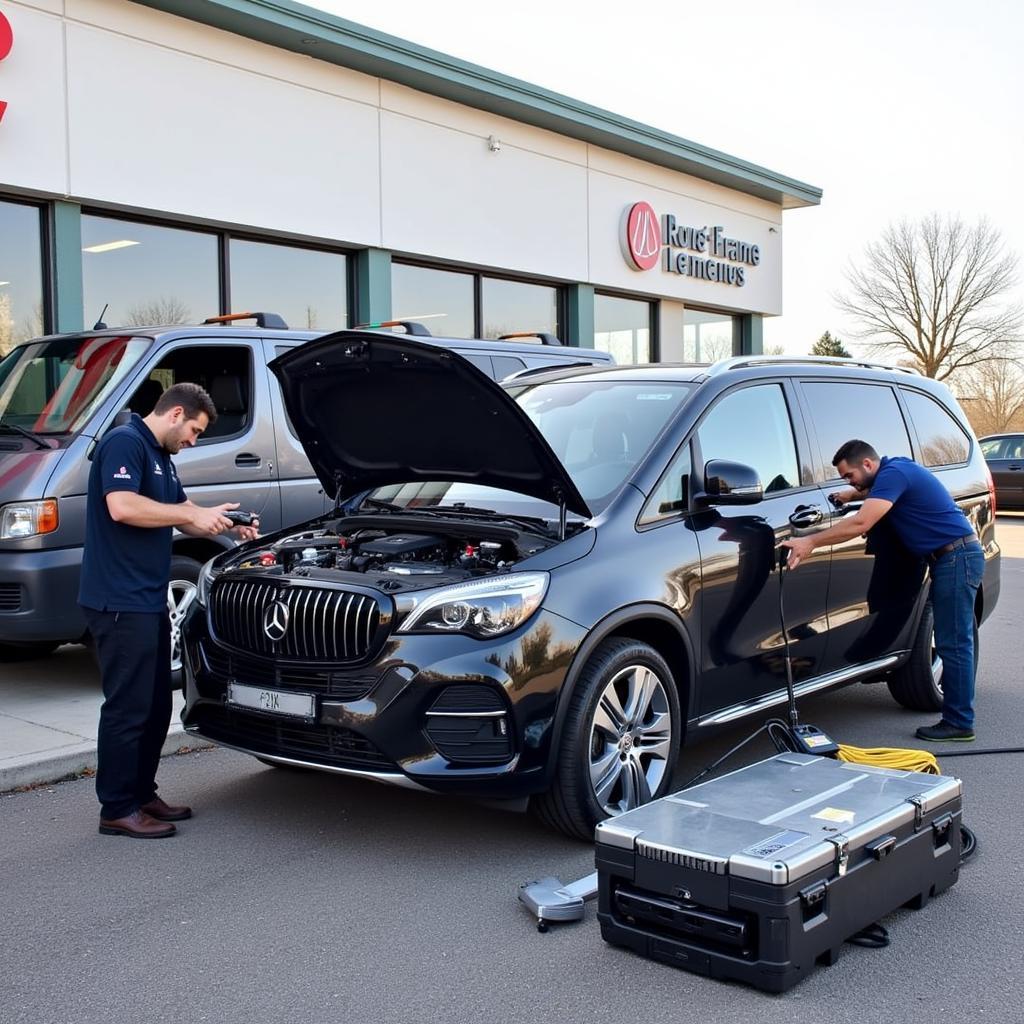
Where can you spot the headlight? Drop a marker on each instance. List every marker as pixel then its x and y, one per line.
pixel 483 608
pixel 28 519
pixel 206 577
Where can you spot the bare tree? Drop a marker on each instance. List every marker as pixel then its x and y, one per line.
pixel 993 394
pixel 936 290
pixel 165 310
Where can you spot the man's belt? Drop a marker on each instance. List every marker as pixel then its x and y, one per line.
pixel 960 542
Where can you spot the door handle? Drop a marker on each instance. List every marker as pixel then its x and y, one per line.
pixel 1015 468
pixel 248 461
pixel 806 515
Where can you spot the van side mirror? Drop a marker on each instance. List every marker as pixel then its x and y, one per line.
pixel 123 417
pixel 729 483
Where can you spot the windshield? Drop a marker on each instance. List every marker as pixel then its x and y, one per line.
pixel 599 430
pixel 53 386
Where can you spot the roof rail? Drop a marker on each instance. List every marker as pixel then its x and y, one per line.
pixel 411 327
pixel 272 320
pixel 736 362
pixel 545 339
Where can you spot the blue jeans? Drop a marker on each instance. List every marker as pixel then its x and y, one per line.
pixel 956 577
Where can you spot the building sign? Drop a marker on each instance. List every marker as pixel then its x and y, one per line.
pixel 6 42
pixel 706 253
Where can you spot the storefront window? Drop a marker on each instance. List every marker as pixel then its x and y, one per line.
pixel 623 328
pixel 513 306
pixel 708 337
pixel 21 274
pixel 306 287
pixel 147 274
pixel 442 300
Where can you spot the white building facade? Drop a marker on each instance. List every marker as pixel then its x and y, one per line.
pixel 170 160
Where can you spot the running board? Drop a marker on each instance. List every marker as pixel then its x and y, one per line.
pixel 771 700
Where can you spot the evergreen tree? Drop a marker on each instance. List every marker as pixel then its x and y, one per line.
pixel 826 345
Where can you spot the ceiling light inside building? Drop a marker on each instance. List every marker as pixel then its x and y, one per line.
pixel 121 243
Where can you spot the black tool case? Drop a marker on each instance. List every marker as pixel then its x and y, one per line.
pixel 759 875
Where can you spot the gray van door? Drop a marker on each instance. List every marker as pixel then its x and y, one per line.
pixel 235 460
pixel 302 496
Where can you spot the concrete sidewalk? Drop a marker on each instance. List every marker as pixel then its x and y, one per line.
pixel 49 713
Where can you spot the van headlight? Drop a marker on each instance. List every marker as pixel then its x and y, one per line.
pixel 482 608
pixel 28 519
pixel 206 577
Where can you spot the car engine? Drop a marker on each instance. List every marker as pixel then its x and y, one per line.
pixel 392 559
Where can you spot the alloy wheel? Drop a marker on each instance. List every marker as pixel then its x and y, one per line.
pixel 936 665
pixel 180 595
pixel 630 739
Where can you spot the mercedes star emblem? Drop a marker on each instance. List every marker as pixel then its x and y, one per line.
pixel 275 620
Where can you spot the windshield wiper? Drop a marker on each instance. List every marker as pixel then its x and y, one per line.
pixel 13 428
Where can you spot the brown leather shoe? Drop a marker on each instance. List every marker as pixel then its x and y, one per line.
pixel 137 825
pixel 162 811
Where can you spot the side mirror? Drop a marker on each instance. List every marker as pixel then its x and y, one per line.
pixel 730 483
pixel 123 417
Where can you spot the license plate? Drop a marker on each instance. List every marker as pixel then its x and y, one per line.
pixel 277 702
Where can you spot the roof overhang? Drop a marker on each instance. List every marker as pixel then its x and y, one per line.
pixel 326 37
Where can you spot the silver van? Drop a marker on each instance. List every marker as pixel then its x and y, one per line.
pixel 59 394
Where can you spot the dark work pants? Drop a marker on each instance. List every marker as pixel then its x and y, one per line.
pixel 134 652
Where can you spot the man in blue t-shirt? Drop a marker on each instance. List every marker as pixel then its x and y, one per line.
pixel 134 503
pixel 928 522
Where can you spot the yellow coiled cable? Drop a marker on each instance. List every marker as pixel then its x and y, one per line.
pixel 891 757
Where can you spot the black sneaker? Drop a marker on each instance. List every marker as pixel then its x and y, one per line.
pixel 944 731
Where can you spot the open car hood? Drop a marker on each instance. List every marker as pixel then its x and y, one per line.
pixel 376 409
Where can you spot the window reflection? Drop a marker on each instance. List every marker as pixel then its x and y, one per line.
pixel 306 287
pixel 708 337
pixel 21 275
pixel 441 299
pixel 147 274
pixel 513 306
pixel 623 328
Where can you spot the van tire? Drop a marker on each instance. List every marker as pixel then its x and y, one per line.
pixel 10 653
pixel 570 805
pixel 917 684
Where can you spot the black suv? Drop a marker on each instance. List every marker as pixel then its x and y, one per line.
pixel 539 588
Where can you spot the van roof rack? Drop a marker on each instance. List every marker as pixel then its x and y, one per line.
pixel 736 362
pixel 272 320
pixel 411 327
pixel 545 339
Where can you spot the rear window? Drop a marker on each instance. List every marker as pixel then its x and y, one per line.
pixel 943 441
pixel 842 411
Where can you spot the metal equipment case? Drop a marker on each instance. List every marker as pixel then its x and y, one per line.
pixel 760 874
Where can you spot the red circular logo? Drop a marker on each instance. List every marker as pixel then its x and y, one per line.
pixel 6 37
pixel 642 241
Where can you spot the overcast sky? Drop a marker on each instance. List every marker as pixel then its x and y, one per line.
pixel 893 109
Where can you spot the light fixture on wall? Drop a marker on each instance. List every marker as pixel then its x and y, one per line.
pixel 121 243
pixel 494 143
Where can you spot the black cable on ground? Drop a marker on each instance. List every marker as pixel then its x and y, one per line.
pixel 977 753
pixel 968 844
pixel 874 936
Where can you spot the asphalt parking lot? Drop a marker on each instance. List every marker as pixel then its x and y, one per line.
pixel 308 897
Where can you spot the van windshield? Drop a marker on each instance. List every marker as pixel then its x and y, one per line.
pixel 53 386
pixel 598 429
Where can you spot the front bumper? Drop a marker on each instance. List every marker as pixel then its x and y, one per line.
pixel 380 719
pixel 39 595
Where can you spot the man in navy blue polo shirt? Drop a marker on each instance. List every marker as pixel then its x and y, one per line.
pixel 928 522
pixel 134 503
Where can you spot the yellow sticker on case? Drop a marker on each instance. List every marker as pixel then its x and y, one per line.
pixel 835 814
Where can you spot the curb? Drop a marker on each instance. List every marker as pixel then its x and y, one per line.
pixel 71 761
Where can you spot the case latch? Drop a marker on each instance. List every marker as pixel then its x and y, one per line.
pixel 918 802
pixel 842 859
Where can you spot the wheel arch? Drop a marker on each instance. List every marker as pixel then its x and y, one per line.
pixel 200 549
pixel 652 624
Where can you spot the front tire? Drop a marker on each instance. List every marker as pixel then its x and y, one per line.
pixel 620 741
pixel 181 592
pixel 917 684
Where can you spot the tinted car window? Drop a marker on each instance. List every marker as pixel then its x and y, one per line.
pixel 505 366
pixel 752 426
pixel 943 442
pixel 670 496
pixel 841 412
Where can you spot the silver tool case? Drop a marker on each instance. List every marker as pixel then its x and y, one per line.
pixel 760 874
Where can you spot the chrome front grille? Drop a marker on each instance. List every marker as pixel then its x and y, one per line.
pixel 297 620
